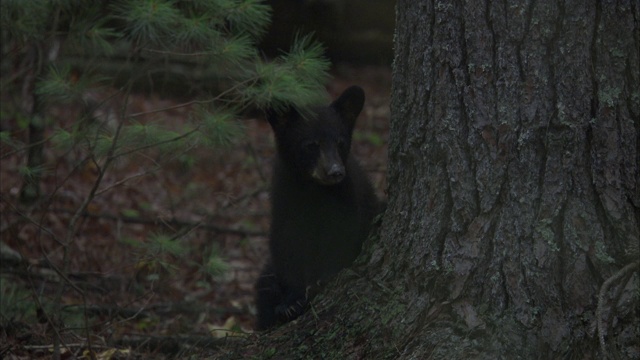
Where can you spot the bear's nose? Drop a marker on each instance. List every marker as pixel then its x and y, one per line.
pixel 336 172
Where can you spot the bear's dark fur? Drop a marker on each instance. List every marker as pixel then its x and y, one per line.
pixel 322 206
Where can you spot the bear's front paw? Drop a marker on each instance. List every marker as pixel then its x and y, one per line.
pixel 290 311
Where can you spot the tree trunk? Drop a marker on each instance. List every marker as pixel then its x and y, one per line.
pixel 32 106
pixel 512 222
pixel 514 175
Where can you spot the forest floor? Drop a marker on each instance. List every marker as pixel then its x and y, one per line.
pixel 114 289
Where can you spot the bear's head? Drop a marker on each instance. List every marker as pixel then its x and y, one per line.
pixel 316 143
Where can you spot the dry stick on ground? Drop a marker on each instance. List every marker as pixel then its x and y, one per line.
pixel 147 311
pixel 603 290
pixel 173 345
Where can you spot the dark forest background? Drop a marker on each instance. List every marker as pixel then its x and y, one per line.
pixel 136 161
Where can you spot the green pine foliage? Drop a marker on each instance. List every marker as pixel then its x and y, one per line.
pixel 217 127
pixel 220 35
pixel 24 20
pixel 216 37
pixel 213 264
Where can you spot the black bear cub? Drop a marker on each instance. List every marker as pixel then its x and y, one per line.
pixel 322 206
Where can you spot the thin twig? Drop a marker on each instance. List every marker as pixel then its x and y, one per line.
pixel 124 153
pixel 128 178
pixel 73 229
pixel 165 52
pixel 192 102
pixel 166 222
pixel 157 167
pixel 29 219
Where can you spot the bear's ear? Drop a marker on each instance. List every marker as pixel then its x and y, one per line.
pixel 349 104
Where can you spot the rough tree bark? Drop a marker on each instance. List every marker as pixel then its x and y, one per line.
pixel 512 222
pixel 514 175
